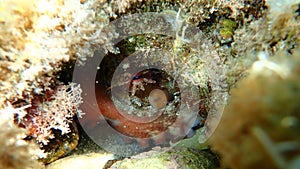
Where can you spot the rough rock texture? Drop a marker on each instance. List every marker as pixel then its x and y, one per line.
pixel 170 159
pixel 260 127
pixel 41 39
pixel 90 161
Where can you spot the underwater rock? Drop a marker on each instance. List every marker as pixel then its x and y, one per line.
pixel 90 161
pixel 61 145
pixel 170 159
pixel 260 127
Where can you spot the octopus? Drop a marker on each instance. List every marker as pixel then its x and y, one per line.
pixel 148 114
pixel 154 110
pixel 147 107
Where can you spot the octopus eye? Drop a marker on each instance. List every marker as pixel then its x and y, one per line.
pixel 153 90
pixel 158 98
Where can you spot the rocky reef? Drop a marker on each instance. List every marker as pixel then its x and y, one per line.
pixel 168 71
pixel 262 119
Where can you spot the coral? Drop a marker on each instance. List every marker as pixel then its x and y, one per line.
pixel 38 36
pixel 14 151
pixel 54 112
pixel 260 127
pixel 48 121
